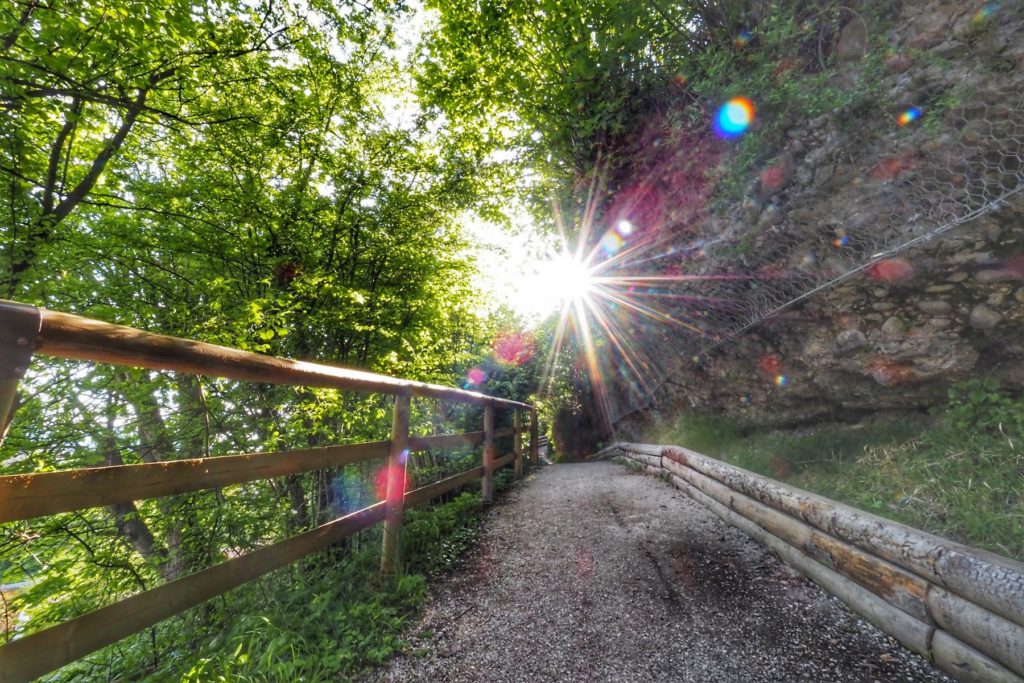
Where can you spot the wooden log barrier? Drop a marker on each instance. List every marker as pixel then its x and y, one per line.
pixel 986 579
pixel 858 558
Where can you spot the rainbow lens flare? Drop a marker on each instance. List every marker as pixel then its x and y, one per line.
pixel 611 242
pixel 734 117
pixel 908 116
pixel 743 39
pixel 781 380
pixel 985 13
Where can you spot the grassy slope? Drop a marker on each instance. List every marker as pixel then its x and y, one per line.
pixel 959 474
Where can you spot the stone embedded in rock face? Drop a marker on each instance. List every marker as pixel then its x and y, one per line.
pixel 823 174
pixel 929 28
pixel 984 318
pixel 893 328
pixel 778 175
pixel 848 341
pixel 935 307
pixel 771 216
pixel 898 63
pixel 853 41
pixel 804 175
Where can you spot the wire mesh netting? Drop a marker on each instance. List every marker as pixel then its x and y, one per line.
pixel 855 201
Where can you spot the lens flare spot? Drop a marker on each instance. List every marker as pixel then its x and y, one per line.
pixel 624 228
pixel 734 117
pixel 781 380
pixel 514 348
pixel 841 240
pixel 774 177
pixel 890 270
pixel 611 243
pixel 742 39
pixel 908 116
pixel 475 377
pixel 380 480
pixel 890 374
pixel 769 364
pixel 985 13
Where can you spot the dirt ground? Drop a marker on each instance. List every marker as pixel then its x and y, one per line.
pixel 590 572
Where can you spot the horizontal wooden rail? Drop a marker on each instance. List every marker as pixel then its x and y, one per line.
pixel 439 488
pixel 64 335
pixel 445 441
pixel 26 329
pixel 39 653
pixel 24 496
pixel 504 460
pixel 962 607
pixel 34 655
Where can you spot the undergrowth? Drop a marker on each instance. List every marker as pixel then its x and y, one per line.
pixel 328 617
pixel 956 473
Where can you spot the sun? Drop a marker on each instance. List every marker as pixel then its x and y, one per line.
pixel 571 279
pixel 564 279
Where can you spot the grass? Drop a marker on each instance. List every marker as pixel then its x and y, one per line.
pixel 949 474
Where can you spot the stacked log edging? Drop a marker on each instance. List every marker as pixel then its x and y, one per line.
pixel 961 607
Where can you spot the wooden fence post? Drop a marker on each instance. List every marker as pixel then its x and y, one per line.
pixel 534 436
pixel 19 330
pixel 395 501
pixel 488 483
pixel 518 442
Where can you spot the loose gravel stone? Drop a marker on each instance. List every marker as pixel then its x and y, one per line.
pixel 591 572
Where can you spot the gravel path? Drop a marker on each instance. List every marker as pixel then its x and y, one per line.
pixel 590 572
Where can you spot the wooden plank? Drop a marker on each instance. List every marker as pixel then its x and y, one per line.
pixel 504 431
pixel 517 443
pixel 396 470
pixel 27 658
pixel 23 496
pixel 487 489
pixel 445 441
pixel 70 336
pixel 534 442
pixel 503 460
pixel 431 491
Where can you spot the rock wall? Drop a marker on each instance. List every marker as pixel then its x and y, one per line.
pixel 910 322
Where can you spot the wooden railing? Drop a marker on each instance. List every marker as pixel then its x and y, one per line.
pixel 961 607
pixel 26 330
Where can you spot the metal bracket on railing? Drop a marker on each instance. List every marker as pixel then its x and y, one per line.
pixel 19 331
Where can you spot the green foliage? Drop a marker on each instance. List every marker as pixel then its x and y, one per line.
pixel 980 407
pixel 231 172
pixel 433 540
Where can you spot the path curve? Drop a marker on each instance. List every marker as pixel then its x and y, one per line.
pixel 591 572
